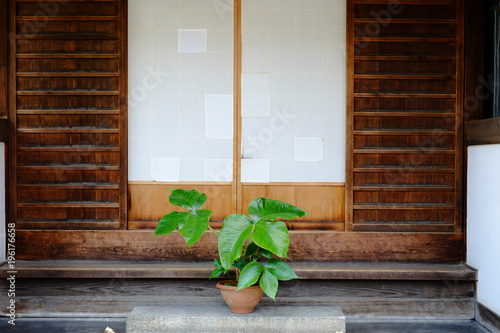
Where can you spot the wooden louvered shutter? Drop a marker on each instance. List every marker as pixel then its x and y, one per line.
pixel 405 115
pixel 68 114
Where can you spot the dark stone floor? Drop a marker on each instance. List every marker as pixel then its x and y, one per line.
pixel 118 325
pixel 458 327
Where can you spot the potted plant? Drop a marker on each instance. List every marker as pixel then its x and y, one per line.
pixel 250 247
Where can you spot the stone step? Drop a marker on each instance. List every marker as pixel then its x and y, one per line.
pixel 218 318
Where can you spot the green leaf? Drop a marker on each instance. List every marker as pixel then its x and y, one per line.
pixel 240 264
pixel 217 272
pixel 235 230
pixel 217 263
pixel 170 222
pixel 270 210
pixel 194 225
pixel 265 253
pixel 190 200
pixel 269 284
pixel 280 269
pixel 250 274
pixel 250 250
pixel 272 236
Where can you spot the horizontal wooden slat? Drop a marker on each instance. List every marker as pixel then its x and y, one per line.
pixel 67 148
pixel 405 57
pixel 67 74
pixel 405 39
pixel 68 112
pixel 72 130
pixel 405 95
pixel 402 132
pixel 20 1
pixel 68 92
pixel 68 167
pixel 403 188
pixel 404 2
pixel 75 204
pixel 406 113
pixel 407 20
pixel 400 104
pixel 404 169
pixel 84 225
pixel 73 186
pixel 414 76
pixel 90 36
pixel 405 49
pixel 66 18
pixel 67 46
pixel 67 56
pixel 405 150
pixel 422 206
pixel 428 226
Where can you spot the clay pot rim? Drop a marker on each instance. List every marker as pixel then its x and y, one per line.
pixel 222 285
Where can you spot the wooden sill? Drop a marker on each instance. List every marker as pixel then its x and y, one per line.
pixel 202 270
pixel 482 132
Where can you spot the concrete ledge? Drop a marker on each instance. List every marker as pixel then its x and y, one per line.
pixel 217 318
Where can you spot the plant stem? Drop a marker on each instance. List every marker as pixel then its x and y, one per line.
pixel 215 232
pixel 237 275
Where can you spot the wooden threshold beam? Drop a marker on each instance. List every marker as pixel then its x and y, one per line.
pixel 304 246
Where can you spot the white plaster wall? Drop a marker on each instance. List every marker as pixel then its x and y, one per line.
pixel 2 201
pixel 483 221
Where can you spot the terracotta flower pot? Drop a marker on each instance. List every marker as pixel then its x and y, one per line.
pixel 241 301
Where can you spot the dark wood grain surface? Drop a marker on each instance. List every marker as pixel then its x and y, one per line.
pixel 69 142
pixel 404 130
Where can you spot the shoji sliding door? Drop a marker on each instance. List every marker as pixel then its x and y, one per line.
pixel 237 102
pixel 293 106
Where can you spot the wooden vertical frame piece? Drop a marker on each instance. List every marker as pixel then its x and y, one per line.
pixel 474 40
pixel 459 122
pixel 349 117
pixel 3 57
pixel 12 158
pixel 237 70
pixel 123 46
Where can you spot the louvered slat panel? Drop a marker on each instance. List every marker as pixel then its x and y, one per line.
pixel 70 69
pixel 403 131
